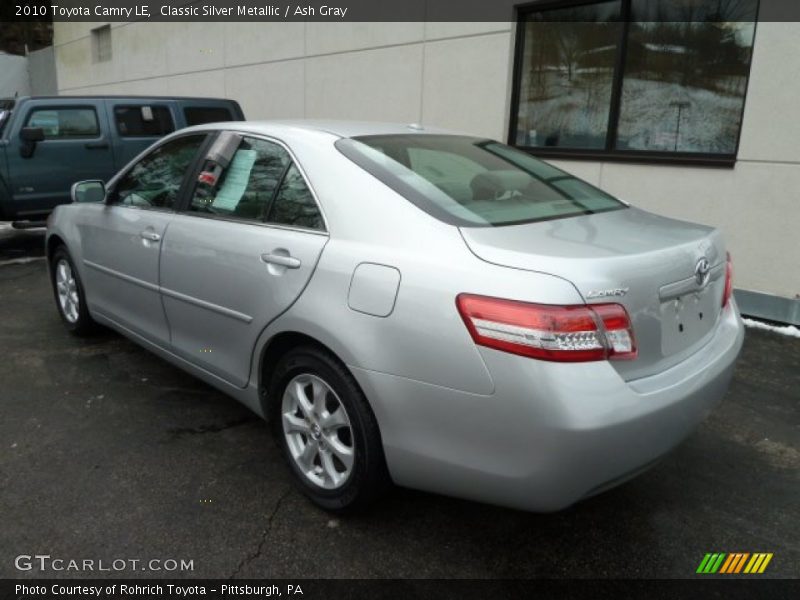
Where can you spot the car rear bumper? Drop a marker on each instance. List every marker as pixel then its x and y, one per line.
pixel 551 433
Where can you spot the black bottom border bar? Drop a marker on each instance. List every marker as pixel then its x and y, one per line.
pixel 728 588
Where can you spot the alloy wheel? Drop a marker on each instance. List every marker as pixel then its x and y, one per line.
pixel 67 289
pixel 318 431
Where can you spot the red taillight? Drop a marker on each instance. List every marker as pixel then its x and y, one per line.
pixel 726 295
pixel 558 333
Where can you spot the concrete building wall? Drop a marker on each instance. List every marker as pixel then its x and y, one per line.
pixel 387 71
pixel 34 74
pixel 42 72
pixel 458 75
pixel 13 76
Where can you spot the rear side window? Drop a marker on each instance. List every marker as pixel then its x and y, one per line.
pixel 245 189
pixel 474 182
pixel 65 123
pixel 197 115
pixel 294 204
pixel 143 121
pixel 260 184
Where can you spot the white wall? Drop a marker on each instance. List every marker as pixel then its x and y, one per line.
pixel 457 75
pixel 408 72
pixel 13 76
pixel 42 72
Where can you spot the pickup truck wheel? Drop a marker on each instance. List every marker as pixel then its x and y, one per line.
pixel 68 292
pixel 326 431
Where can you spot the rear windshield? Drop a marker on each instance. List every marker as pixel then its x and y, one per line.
pixel 475 182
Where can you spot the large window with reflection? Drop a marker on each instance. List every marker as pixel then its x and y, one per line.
pixel 633 79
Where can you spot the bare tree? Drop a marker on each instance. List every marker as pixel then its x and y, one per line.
pixel 569 47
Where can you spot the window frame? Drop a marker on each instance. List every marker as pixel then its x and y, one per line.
pixel 610 153
pixel 59 107
pixel 183 206
pixel 112 195
pixel 99 36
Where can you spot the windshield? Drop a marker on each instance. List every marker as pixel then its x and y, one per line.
pixel 474 182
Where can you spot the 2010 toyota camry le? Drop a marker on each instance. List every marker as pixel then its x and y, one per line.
pixel 407 305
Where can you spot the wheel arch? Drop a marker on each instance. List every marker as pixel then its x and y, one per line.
pixel 283 342
pixel 53 242
pixel 278 345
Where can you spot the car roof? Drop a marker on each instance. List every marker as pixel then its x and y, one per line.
pixel 342 129
pixel 118 97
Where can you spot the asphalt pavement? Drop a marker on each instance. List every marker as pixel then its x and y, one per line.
pixel 108 453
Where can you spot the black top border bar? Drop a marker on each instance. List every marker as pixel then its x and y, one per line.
pixel 321 11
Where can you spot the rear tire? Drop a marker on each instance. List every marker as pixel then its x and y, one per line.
pixel 326 431
pixel 69 296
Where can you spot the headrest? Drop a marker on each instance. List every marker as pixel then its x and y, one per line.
pixel 491 184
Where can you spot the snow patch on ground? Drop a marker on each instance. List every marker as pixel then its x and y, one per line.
pixel 8 229
pixel 20 261
pixel 789 330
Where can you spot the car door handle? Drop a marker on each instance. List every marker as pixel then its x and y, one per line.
pixel 290 262
pixel 150 235
pixel 96 146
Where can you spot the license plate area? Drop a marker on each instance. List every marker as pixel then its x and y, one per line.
pixel 687 319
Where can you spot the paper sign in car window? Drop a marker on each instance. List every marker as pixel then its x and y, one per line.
pixel 236 180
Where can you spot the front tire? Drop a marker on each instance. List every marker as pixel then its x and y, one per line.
pixel 326 430
pixel 69 295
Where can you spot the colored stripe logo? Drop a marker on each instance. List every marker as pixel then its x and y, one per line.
pixel 734 563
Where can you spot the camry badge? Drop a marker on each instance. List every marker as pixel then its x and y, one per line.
pixel 702 272
pixel 605 293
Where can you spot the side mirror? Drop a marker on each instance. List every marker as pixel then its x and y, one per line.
pixel 88 191
pixel 30 136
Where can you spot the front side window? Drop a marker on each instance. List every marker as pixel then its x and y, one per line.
pixel 143 121
pixel 469 181
pixel 629 77
pixel 155 181
pixel 65 123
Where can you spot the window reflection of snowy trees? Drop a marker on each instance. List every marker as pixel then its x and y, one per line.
pixel 685 75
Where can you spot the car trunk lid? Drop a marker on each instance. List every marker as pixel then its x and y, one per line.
pixel 645 262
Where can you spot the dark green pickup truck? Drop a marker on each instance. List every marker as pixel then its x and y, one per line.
pixel 48 143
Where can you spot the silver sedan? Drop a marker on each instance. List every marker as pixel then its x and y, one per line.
pixel 406 305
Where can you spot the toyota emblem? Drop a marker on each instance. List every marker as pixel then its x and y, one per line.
pixel 702 272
